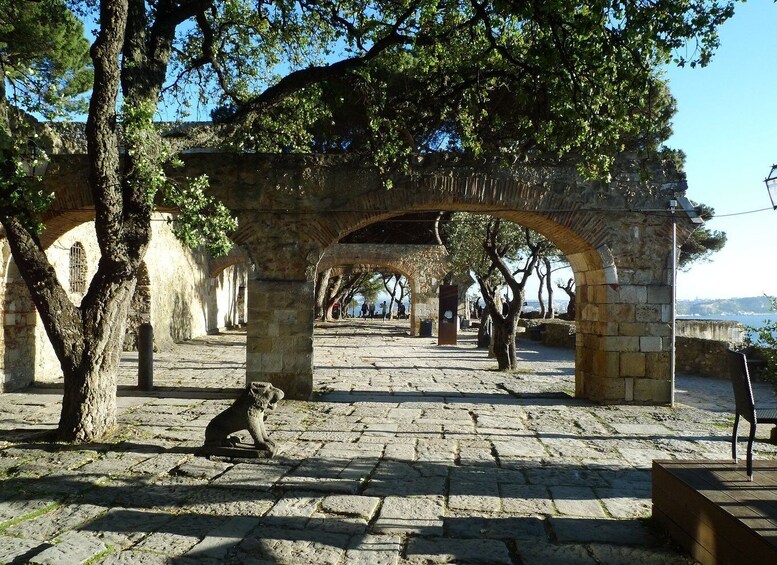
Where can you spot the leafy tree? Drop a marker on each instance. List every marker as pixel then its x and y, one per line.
pixel 702 243
pixel 527 80
pixel 498 254
pixel 370 287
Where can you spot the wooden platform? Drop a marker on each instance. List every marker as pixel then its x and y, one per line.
pixel 715 513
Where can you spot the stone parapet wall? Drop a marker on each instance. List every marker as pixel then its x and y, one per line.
pixel 694 355
pixel 719 330
pixel 702 357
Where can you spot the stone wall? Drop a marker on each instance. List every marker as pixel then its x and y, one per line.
pixel 695 354
pixel 176 294
pixel 720 330
pixel 702 357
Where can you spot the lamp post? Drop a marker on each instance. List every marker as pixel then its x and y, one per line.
pixel 771 186
pixel 674 189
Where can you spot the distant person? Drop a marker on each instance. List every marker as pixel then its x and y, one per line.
pixel 401 311
pixel 364 309
pixel 383 309
pixel 372 310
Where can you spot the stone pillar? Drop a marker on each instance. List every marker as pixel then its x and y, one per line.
pixel 623 331
pixel 279 346
pixel 425 304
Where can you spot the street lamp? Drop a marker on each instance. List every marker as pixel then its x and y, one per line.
pixel 771 186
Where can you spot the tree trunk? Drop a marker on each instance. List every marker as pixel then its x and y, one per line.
pixel 539 295
pixel 504 341
pixel 89 401
pixel 322 285
pixel 549 285
pixel 483 341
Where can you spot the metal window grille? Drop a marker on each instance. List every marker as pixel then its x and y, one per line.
pixel 77 268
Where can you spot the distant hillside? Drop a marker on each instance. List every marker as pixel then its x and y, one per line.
pixel 723 306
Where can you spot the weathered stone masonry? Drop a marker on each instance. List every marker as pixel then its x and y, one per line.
pixel 616 235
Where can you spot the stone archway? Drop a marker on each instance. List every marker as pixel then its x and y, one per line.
pixel 616 235
pixel 19 329
pixel 423 265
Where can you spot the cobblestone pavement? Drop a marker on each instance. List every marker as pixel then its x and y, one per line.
pixel 409 453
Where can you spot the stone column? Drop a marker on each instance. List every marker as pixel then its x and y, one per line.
pixel 425 303
pixel 281 309
pixel 623 324
pixel 279 346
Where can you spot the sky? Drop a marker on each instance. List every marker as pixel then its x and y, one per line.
pixel 726 124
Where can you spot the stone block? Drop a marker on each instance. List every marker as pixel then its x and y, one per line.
pixel 658 365
pixel 620 312
pixel 253 363
pixel 628 385
pixel 595 277
pixel 271 362
pixel 612 390
pixel 619 343
pixel 633 294
pixel 652 391
pixel 632 364
pixel 660 329
pixel 648 313
pixel 633 328
pixel 591 341
pixel 590 312
pixel 606 364
pixel 650 344
pixel 659 294
pixel 259 344
pixel 605 294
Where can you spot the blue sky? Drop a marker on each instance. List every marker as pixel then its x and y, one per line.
pixel 727 125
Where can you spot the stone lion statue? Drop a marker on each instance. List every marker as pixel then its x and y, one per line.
pixel 246 413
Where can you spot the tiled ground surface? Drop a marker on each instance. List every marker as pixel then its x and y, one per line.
pixel 409 453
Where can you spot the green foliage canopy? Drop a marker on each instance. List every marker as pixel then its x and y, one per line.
pixel 395 77
pixel 44 56
pixel 703 241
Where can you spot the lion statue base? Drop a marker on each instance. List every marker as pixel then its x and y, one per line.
pixel 246 413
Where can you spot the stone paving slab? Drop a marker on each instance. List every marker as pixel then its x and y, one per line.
pixel 410 453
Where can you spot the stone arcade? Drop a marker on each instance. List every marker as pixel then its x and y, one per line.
pixel 293 209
